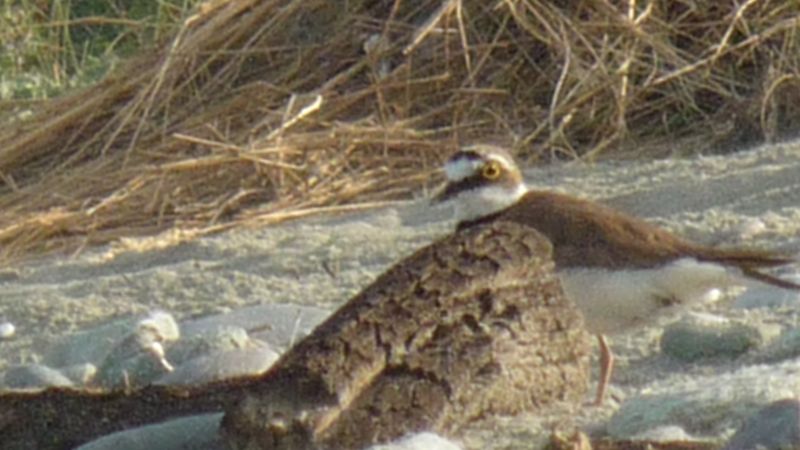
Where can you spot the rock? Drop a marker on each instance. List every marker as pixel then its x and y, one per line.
pixel 97 344
pixel 419 441
pixel 702 336
pixel 80 374
pixel 706 405
pixel 775 427
pixel 88 346
pixel 7 330
pixel 221 365
pixel 472 325
pixel 34 376
pixel 766 296
pixel 667 433
pixel 280 325
pixel 786 346
pixel 139 357
pixel 194 432
pixel 212 340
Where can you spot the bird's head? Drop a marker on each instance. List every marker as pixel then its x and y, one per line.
pixel 481 180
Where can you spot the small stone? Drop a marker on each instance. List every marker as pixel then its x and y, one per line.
pixel 158 326
pixel 766 296
pixel 419 441
pixel 280 325
pixel 211 340
pixel 705 405
pixel 777 426
pixel 666 433
pixel 197 432
pixel 97 344
pixel 221 365
pixel 786 346
pixel 7 330
pixel 701 337
pixel 139 358
pixel 750 227
pixel 34 376
pixel 80 374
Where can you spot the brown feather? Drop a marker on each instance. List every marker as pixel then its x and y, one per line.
pixel 588 234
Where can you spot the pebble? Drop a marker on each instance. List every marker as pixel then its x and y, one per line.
pixel 34 376
pixel 80 374
pixel 749 228
pixel 777 426
pixel 766 296
pixel 698 337
pixel 419 441
pixel 97 344
pixel 7 330
pixel 786 346
pixel 666 433
pixel 139 357
pixel 193 432
pixel 221 365
pixel 705 405
pixel 210 340
pixel 137 351
pixel 278 324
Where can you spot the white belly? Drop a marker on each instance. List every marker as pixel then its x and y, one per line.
pixel 613 301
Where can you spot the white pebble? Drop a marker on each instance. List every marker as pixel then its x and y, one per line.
pixel 419 441
pixel 750 228
pixel 7 330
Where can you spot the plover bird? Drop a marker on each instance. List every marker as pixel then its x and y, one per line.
pixel 620 271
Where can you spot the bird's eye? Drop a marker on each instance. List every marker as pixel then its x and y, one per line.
pixel 491 171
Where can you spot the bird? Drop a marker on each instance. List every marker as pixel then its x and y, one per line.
pixel 621 271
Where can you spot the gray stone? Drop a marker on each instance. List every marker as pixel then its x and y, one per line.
pixel 194 432
pixel 136 371
pixel 280 325
pixel 7 330
pixel 700 337
pixel 34 376
pixel 776 427
pixel 765 296
pixel 786 346
pixel 80 374
pixel 221 365
pixel 419 441
pixel 97 344
pixel 88 346
pixel 667 433
pixel 705 405
pixel 209 340
pixel 139 358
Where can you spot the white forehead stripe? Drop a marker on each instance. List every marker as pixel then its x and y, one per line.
pixel 458 169
pixel 491 154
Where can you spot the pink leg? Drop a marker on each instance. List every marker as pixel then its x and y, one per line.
pixel 606 366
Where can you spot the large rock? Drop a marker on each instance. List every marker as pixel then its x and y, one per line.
pixel 472 325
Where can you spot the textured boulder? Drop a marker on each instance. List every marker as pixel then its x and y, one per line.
pixel 472 325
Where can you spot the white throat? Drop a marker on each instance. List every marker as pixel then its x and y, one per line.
pixel 485 201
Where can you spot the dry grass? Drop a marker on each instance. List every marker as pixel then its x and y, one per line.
pixel 258 111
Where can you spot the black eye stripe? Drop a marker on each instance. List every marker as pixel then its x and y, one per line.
pixel 463 185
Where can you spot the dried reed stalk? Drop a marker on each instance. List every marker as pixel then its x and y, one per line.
pixel 258 110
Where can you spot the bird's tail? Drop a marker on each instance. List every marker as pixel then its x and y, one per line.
pixel 769 279
pixel 749 261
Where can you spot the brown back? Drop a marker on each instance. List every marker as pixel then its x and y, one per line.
pixel 589 234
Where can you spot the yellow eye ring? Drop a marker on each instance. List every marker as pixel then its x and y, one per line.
pixel 491 171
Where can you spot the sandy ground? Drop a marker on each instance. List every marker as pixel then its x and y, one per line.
pixel 749 198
